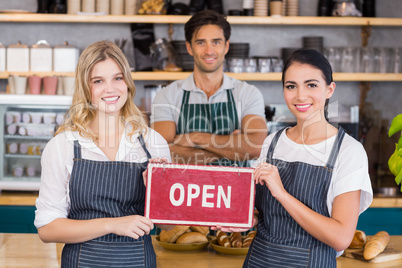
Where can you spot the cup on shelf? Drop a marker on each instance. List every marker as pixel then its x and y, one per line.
pixel 11 85
pixel 17 170
pixel 395 60
pixel 20 84
pixel 334 56
pixel 31 170
pixel 68 85
pixel 12 129
pixel 275 8
pixel 277 64
pixel 348 60
pixel 250 65
pixel 34 84
pixel 12 147
pixel 23 148
pixel 264 65
pixel 12 117
pixel 236 65
pixel 366 60
pixel 49 118
pixel 50 85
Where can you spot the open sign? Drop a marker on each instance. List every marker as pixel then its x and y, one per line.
pixel 200 195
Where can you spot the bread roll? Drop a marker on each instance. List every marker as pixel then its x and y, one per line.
pixel 201 229
pixel 192 237
pixel 235 240
pixel 359 240
pixel 250 236
pixel 223 239
pixel 376 245
pixel 173 234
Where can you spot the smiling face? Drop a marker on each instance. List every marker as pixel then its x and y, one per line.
pixel 208 47
pixel 305 91
pixel 108 88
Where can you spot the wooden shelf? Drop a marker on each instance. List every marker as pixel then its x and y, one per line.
pixel 178 19
pixel 170 76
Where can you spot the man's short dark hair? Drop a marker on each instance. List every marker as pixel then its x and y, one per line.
pixel 206 17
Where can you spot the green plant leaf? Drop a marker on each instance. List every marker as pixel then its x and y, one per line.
pixel 392 161
pixel 400 143
pixel 398 179
pixel 396 125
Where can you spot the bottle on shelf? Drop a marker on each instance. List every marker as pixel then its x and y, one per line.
pixel 58 7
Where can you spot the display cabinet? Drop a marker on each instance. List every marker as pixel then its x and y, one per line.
pixel 27 123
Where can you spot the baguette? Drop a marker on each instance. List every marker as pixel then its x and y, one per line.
pixel 235 240
pixel 201 229
pixel 359 240
pixel 376 245
pixel 173 234
pixel 192 237
pixel 223 239
pixel 250 236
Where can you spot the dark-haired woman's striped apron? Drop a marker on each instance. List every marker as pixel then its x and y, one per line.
pixel 106 189
pixel 217 118
pixel 281 241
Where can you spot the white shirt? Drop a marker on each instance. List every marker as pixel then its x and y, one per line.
pixel 351 167
pixel 57 164
pixel 167 103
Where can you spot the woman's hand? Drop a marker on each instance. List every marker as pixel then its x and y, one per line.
pixel 153 160
pixel 131 226
pixel 268 174
pixel 229 229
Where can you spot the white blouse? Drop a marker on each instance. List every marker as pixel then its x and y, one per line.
pixel 57 164
pixel 351 167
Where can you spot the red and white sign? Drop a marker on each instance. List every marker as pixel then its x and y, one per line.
pixel 200 195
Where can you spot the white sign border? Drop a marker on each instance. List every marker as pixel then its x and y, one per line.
pixel 200 167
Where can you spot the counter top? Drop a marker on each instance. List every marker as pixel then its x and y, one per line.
pixel 27 250
pixel 17 198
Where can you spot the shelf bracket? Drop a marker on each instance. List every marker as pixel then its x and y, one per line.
pixel 364 89
pixel 365 34
pixel 170 31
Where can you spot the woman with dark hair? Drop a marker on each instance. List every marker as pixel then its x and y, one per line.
pixel 312 180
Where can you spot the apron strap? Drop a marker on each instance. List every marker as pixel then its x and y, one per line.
pixel 335 149
pixel 141 140
pixel 77 150
pixel 270 152
pixel 186 97
pixel 231 99
pixel 181 124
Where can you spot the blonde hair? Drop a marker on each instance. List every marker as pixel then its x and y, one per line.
pixel 81 112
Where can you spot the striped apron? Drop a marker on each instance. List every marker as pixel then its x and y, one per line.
pixel 281 241
pixel 107 189
pixel 218 118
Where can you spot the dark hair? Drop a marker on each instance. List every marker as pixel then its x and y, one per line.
pixel 315 59
pixel 311 57
pixel 206 17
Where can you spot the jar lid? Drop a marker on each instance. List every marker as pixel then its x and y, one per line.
pixel 18 45
pixel 66 45
pixel 41 44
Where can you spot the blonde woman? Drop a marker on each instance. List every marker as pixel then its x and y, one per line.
pixel 92 190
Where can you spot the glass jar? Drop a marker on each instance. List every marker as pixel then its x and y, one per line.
pixel 163 56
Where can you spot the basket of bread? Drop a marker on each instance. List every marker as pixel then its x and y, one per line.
pixel 184 238
pixel 233 243
pixel 374 249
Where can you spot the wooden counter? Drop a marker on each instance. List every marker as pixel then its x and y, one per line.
pixel 27 250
